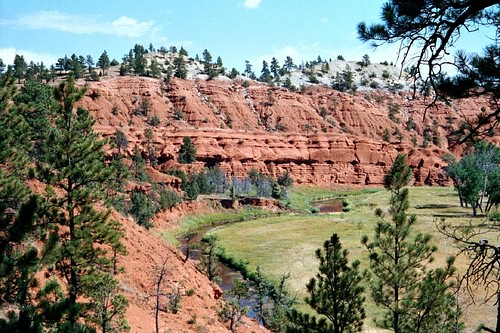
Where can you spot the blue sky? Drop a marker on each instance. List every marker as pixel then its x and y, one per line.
pixel 235 30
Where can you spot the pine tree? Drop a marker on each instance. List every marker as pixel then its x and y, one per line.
pixel 20 259
pixel 248 68
pixel 103 62
pixel 108 307
pixel 187 151
pixel 265 72
pixel 75 166
pixel 399 258
pixel 275 67
pixel 336 292
pixel 20 67
pixel 180 70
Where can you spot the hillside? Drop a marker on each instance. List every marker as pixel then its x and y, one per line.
pixel 318 134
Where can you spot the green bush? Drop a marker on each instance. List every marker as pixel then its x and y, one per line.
pixel 494 216
pixel 142 208
pixel 168 199
pixel 154 121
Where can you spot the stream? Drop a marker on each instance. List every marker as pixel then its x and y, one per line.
pixel 226 274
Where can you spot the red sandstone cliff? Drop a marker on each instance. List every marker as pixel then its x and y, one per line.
pixel 321 136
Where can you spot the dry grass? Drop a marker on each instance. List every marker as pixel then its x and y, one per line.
pixel 286 244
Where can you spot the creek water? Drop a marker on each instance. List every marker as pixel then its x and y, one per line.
pixel 330 205
pixel 227 275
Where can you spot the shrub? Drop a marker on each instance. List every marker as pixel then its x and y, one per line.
pixel 142 208
pixel 180 174
pixel 494 216
pixel 285 179
pixel 178 114
pixel 313 79
pixel 387 135
pixel 154 121
pixel 168 199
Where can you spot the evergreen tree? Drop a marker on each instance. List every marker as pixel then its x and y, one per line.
pixel 399 258
pixel 289 65
pixel 209 259
pixel 108 306
pixel 139 61
pixel 187 151
pixel 265 75
pixel 275 67
pixel 75 166
pixel 90 62
pixel 336 292
pixel 20 67
pixel 432 38
pixel 234 307
pixel 103 62
pixel 234 73
pixel 75 66
pixel 138 165
pixel 35 103
pixel 220 65
pixel 183 52
pixel 180 69
pixel 20 259
pixel 2 67
pixel 155 69
pixel 121 141
pixel 248 69
pixel 142 208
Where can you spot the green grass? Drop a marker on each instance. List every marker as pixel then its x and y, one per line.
pixel 286 244
pixel 301 197
pixel 194 223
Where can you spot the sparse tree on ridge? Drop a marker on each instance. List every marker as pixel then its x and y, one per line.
pixel 20 67
pixel 103 62
pixel 183 52
pixel 207 61
pixel 180 70
pixel 2 66
pixel 265 75
pixel 248 69
pixel 289 65
pixel 90 62
pixel 275 67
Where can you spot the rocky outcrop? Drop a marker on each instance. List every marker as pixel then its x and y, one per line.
pixel 320 136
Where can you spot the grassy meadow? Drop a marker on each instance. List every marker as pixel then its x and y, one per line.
pixel 286 243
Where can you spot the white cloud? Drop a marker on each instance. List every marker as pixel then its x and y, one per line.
pixel 79 24
pixel 251 4
pixel 7 55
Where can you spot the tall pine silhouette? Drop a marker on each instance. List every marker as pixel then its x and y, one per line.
pixel 76 172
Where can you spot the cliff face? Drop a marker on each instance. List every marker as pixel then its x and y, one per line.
pixel 320 136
